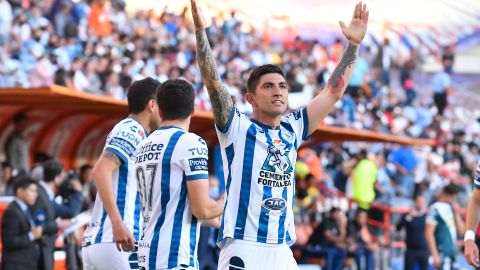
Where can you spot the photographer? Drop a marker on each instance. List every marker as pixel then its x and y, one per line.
pixel 46 202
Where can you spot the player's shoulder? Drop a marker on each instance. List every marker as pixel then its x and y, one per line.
pixel 293 116
pixel 129 126
pixel 192 138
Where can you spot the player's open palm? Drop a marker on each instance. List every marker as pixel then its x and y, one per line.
pixel 356 30
pixel 471 253
pixel 123 238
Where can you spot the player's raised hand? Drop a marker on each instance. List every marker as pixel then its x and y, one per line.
pixel 356 30
pixel 197 16
pixel 123 238
pixel 471 253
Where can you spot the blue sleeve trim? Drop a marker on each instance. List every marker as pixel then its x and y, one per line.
pixel 117 153
pixel 197 177
pixel 305 135
pixel 230 118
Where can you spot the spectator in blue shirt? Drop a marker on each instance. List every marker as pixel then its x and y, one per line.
pixel 405 163
pixel 441 86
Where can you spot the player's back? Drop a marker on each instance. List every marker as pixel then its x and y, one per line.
pixel 121 141
pixel 164 163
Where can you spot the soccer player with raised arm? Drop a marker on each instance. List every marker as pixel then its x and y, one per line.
pixel 172 176
pixel 473 219
pixel 115 224
pixel 259 154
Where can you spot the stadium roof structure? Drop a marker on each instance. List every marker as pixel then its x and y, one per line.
pixel 72 126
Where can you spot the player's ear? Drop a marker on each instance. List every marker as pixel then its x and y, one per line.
pixel 250 97
pixel 151 105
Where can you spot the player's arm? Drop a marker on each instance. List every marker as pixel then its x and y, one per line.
pixel 222 103
pixel 431 243
pixel 102 173
pixel 473 218
pixel 203 207
pixel 324 102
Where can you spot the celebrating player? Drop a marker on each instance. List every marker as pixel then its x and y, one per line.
pixel 172 175
pixel 259 154
pixel 116 214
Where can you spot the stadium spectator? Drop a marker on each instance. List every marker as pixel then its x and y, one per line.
pixel 329 240
pixel 364 179
pixel 363 241
pixel 7 179
pixel 414 223
pixel 89 190
pixel 442 86
pixel 20 233
pixel 405 162
pixel 18 144
pixel 99 19
pixel 6 17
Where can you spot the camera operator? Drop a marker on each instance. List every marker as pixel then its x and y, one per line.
pixel 46 201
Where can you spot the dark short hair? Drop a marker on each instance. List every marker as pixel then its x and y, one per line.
pixel 6 164
pixel 41 157
pixel 258 72
pixel 451 189
pixel 84 168
pixel 176 99
pixel 51 169
pixel 140 93
pixel 23 183
pixel 19 118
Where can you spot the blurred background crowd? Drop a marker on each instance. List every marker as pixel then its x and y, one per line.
pixel 97 47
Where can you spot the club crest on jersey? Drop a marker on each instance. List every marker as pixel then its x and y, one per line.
pixel 277 159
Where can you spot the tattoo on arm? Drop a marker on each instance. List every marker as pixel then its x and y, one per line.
pixel 112 157
pixel 336 81
pixel 221 101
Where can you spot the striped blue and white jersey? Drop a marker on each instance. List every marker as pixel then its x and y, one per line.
pixel 123 141
pixel 259 165
pixel 165 161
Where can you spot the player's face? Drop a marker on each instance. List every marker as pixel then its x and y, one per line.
pixel 271 95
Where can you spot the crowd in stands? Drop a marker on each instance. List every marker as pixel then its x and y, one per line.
pixel 96 47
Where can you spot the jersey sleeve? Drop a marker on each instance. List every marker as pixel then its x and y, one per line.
pixel 432 216
pixel 298 122
pixel 124 141
pixel 236 121
pixel 194 157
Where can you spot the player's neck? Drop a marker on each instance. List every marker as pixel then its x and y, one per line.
pixel 183 124
pixel 266 119
pixel 143 120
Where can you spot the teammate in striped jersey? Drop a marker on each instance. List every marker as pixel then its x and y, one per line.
pixel 115 220
pixel 259 154
pixel 172 176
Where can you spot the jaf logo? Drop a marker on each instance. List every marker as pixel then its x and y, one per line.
pixel 277 160
pixel 274 204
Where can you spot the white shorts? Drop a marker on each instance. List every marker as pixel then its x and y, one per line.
pixel 247 255
pixel 106 256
